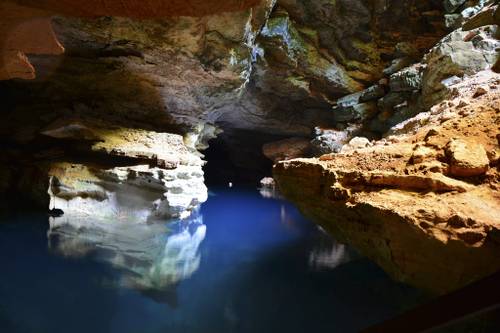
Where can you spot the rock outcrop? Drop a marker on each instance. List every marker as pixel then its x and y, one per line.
pixel 276 68
pixel 157 176
pixel 26 29
pixel 424 205
pixel 286 149
pixel 423 202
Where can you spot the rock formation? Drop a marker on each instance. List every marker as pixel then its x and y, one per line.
pixel 127 93
pixel 423 202
pixel 26 29
pixel 159 178
pixel 424 205
pixel 262 67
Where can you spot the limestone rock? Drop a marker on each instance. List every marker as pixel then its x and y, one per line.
pixel 456 56
pixel 356 112
pixel 467 158
pixel 286 149
pixel 331 140
pixel 408 79
pixel 356 143
pixel 268 188
pixel 397 203
pixel 372 93
pixel 130 174
pixel 27 30
pixel 275 70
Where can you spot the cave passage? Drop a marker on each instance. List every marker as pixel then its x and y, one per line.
pixel 238 160
pixel 249 166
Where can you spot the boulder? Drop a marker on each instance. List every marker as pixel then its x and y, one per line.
pixel 456 55
pixel 467 158
pixel 396 201
pixel 355 143
pixel 356 112
pixel 372 93
pixel 407 79
pixel 329 141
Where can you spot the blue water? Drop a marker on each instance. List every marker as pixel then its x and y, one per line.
pixel 242 264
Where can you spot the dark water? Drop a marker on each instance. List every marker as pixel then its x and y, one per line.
pixel 243 264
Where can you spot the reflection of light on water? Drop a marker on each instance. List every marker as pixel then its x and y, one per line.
pixel 287 219
pixel 180 258
pixel 149 257
pixel 328 254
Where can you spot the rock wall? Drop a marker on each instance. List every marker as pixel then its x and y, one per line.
pixel 423 205
pixel 278 72
pixel 98 121
pixel 422 202
pixel 25 26
pixel 241 66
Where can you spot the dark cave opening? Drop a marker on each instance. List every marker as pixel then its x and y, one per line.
pixel 236 157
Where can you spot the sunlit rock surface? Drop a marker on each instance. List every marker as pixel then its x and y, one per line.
pixel 423 204
pixel 150 257
pixel 149 175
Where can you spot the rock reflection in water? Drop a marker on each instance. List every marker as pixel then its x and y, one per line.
pixel 151 258
pixel 328 254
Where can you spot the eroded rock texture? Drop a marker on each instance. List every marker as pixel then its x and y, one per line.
pixel 423 202
pixel 25 26
pixel 98 121
pixel 116 121
pixel 278 71
pixel 423 205
pixel 270 67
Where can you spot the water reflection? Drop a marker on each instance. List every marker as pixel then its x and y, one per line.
pixel 328 254
pixel 264 268
pixel 151 258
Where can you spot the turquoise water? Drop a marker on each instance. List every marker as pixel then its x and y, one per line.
pixel 243 263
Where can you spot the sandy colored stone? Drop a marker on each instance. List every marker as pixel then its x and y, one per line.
pixel 467 158
pixel 398 202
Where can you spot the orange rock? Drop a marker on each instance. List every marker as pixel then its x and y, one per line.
pixel 467 158
pixel 398 205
